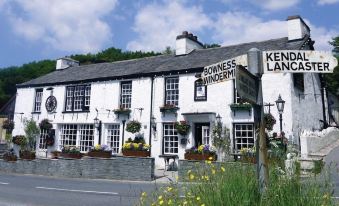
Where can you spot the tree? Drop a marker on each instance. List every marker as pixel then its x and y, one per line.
pixel 221 140
pixel 32 133
pixel 332 79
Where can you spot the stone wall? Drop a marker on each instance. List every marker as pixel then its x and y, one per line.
pixel 118 168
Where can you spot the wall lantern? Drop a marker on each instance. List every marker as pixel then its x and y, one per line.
pixel 153 124
pixel 218 117
pixel 97 125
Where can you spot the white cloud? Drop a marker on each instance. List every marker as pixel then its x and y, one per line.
pixel 240 27
pixel 274 5
pixel 322 36
pixel 65 25
pixel 323 2
pixel 158 25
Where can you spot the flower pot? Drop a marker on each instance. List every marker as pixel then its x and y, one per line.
pixel 100 154
pixel 197 156
pixel 10 158
pixel 27 155
pixel 55 154
pixel 71 156
pixel 136 153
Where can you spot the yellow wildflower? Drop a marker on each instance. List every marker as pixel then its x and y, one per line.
pixel 160 197
pixel 185 203
pixel 169 202
pixel 202 204
pixel 206 177
pixel 198 198
pixel 222 169
pixel 208 161
pixel 213 171
pixel 144 194
pixel 161 202
pixel 169 189
pixel 189 171
pixel 191 176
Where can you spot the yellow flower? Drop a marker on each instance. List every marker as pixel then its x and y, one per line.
pixel 160 197
pixel 144 194
pixel 191 176
pixel 213 171
pixel 189 171
pixel 210 158
pixel 169 189
pixel 202 204
pixel 169 202
pixel 185 203
pixel 200 148
pixel 161 202
pixel 97 147
pixel 208 162
pixel 198 198
pixel 206 177
pixel 222 169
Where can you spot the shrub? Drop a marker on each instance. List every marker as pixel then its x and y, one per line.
pixel 182 127
pixel 45 125
pixel 133 126
pixel 269 121
pixel 8 125
pixel 20 140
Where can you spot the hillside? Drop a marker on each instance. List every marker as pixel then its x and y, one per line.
pixel 11 76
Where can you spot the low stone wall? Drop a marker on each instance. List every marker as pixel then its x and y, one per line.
pixel 118 168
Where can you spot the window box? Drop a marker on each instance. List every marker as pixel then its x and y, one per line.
pixel 100 154
pixel 71 156
pixel 244 106
pixel 55 154
pixel 169 109
pixel 122 111
pixel 27 155
pixel 197 156
pixel 136 153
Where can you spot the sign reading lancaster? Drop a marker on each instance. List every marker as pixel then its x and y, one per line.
pixel 222 71
pixel 298 61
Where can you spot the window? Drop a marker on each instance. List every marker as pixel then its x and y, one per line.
pixel 78 98
pixel 42 139
pixel 200 91
pixel 205 134
pixel 126 95
pixel 113 137
pixel 172 91
pixel 81 136
pixel 38 100
pixel 244 136
pixel 298 80
pixel 171 141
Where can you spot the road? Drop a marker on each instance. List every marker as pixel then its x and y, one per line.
pixel 40 190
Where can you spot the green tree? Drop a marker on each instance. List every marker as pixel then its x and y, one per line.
pixel 32 133
pixel 332 79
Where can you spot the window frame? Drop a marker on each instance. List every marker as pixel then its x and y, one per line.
pixel 77 135
pixel 126 96
pixel 248 137
pixel 113 132
pixel 176 101
pixel 84 99
pixel 174 135
pixel 39 90
pixel 199 83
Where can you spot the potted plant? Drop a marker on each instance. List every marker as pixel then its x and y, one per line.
pixel 20 140
pixel 170 108
pixel 8 125
pixel 45 125
pixel 248 155
pixel 102 151
pixel 203 152
pixel 55 154
pixel 136 148
pixel 71 152
pixel 10 156
pixel 27 154
pixel 133 126
pixel 269 121
pixel 32 132
pixel 182 127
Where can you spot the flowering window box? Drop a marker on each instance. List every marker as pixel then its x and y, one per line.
pixel 169 109
pixel 198 156
pixel 71 155
pixel 27 155
pixel 136 153
pixel 100 154
pixel 244 106
pixel 122 111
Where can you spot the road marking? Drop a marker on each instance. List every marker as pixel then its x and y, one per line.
pixel 81 191
pixel 4 183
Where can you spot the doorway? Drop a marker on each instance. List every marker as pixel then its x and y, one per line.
pixel 201 134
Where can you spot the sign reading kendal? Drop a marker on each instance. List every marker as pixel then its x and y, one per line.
pixel 298 61
pixel 222 71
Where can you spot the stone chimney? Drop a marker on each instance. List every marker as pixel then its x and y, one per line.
pixel 65 62
pixel 186 43
pixel 297 28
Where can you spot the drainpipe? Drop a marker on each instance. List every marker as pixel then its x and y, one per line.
pixel 123 131
pixel 150 117
pixel 323 92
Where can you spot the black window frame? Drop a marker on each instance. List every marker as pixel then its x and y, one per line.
pixel 199 83
pixel 85 108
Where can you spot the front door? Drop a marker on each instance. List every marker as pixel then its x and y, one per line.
pixel 201 134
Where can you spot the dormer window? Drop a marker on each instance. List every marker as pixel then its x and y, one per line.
pixel 78 98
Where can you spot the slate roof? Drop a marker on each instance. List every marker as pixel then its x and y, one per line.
pixel 195 60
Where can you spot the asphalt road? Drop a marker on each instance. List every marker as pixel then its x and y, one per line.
pixel 39 190
pixel 332 160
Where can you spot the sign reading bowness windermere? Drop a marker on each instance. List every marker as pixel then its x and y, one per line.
pixel 222 71
pixel 298 61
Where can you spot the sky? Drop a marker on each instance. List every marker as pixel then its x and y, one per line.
pixel 33 30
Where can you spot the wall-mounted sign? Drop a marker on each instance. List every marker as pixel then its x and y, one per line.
pixel 246 85
pixel 222 71
pixel 298 61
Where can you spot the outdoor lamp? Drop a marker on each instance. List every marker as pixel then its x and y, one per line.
pixel 218 117
pixel 153 123
pixel 97 125
pixel 280 104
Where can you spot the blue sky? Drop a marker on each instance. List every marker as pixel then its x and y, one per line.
pixel 32 30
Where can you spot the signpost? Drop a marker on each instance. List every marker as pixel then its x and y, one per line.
pixel 222 71
pixel 298 61
pixel 246 84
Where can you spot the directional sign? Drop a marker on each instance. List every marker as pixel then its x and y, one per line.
pixel 246 85
pixel 298 61
pixel 222 71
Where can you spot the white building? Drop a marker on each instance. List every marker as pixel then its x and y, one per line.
pixel 83 93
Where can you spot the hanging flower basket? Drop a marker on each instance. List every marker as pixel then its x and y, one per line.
pixel 182 127
pixel 170 108
pixel 49 141
pixel 133 126
pixel 8 125
pixel 19 140
pixel 45 125
pixel 270 121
